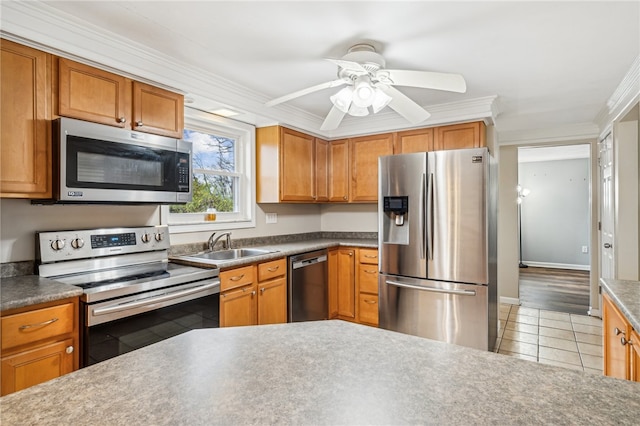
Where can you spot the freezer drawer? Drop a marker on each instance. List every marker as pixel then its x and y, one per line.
pixel 449 312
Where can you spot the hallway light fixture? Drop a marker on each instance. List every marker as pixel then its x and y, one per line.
pixel 522 193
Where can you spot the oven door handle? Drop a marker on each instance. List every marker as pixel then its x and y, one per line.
pixel 153 299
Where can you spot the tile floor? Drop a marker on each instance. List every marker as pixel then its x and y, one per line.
pixel 555 338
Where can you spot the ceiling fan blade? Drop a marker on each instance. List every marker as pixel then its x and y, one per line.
pixel 424 79
pixel 349 66
pixel 404 106
pixel 285 98
pixel 333 119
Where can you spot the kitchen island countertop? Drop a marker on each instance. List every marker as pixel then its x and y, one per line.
pixel 626 295
pixel 322 372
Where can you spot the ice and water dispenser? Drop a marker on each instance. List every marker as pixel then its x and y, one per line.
pixel 396 225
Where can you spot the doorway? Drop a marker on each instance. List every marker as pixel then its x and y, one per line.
pixel 554 223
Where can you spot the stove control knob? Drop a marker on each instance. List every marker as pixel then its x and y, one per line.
pixel 145 238
pixel 159 236
pixel 57 245
pixel 77 243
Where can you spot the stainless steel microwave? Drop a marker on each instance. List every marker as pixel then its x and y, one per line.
pixel 102 164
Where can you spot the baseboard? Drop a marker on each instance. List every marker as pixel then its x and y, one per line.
pixel 557 265
pixel 510 300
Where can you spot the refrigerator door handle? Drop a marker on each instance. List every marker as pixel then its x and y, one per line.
pixel 430 217
pixel 423 225
pixel 433 289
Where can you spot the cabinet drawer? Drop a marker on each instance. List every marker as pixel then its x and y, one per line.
pixel 268 270
pixel 368 278
pixel 368 256
pixel 40 324
pixel 236 278
pixel 368 308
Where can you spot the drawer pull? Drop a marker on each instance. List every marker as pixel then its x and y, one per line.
pixel 273 269
pixel 371 256
pixel 371 302
pixel 41 324
pixel 237 278
pixel 370 272
pixel 69 349
pixel 617 331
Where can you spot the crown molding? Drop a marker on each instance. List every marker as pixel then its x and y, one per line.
pixel 574 132
pixel 626 94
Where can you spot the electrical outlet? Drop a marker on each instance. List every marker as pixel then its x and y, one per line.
pixel 271 217
pixel 585 249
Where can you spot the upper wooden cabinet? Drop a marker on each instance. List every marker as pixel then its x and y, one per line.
pixel 420 140
pixel 339 170
pixel 287 168
pixel 459 136
pixel 25 104
pixel 91 94
pixel 364 165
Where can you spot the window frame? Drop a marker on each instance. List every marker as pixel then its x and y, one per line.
pixel 244 136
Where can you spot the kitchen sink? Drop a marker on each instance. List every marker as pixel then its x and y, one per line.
pixel 231 254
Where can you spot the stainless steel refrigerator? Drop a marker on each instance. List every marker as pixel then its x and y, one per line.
pixel 437 241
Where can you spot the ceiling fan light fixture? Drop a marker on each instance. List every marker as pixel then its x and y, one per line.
pixel 358 111
pixel 380 100
pixel 342 99
pixel 363 92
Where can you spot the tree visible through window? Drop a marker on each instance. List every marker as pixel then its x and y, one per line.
pixel 215 174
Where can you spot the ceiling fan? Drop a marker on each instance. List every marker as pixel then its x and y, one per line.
pixel 370 85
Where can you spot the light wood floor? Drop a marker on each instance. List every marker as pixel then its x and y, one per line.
pixel 559 290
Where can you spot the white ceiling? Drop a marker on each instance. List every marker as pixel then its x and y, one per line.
pixel 549 64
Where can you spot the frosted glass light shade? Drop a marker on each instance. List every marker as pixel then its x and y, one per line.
pixel 342 99
pixel 380 100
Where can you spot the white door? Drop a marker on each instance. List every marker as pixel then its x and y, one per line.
pixel 607 204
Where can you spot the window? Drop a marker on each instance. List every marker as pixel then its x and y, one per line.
pixel 223 177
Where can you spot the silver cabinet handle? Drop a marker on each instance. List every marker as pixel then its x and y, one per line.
pixel 371 256
pixel 607 245
pixel 370 272
pixel 617 331
pixel 262 290
pixel 237 277
pixel 371 302
pixel 139 123
pixel 273 269
pixel 253 293
pixel 433 290
pixel 624 341
pixel 69 349
pixel 350 253
pixel 344 198
pixel 122 120
pixel 40 324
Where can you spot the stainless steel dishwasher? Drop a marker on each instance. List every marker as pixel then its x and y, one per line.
pixel 308 289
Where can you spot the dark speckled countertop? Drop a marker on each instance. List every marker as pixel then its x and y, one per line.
pixel 320 373
pixel 626 296
pixel 27 290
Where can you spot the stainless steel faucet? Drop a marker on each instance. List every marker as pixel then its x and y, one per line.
pixel 226 244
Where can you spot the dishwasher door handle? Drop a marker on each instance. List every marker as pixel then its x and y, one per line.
pixel 307 262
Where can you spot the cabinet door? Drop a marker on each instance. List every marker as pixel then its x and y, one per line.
pixel 339 171
pixel 38 365
pixel 297 176
pixel 87 93
pixel 157 111
pixel 364 165
pixel 420 140
pixel 614 327
pixel 634 356
pixel 238 307
pixel 346 284
pixel 25 104
pixel 322 170
pixel 459 136
pixel 332 268
pixel 272 302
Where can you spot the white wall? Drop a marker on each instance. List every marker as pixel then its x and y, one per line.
pixel 349 217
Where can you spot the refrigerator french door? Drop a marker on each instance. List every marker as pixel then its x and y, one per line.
pixel 435 247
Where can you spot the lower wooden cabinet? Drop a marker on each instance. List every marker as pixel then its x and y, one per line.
pixel 39 343
pixel 621 343
pixel 255 294
pixel 367 286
